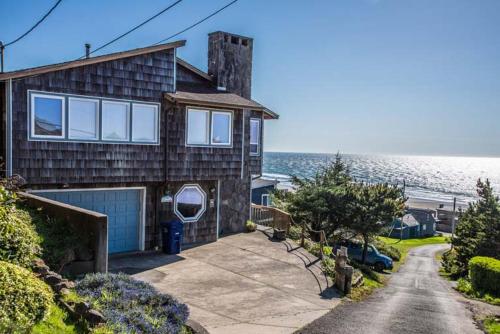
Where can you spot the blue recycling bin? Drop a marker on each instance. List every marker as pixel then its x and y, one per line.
pixel 172 236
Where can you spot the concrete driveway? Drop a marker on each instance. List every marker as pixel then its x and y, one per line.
pixel 416 300
pixel 243 283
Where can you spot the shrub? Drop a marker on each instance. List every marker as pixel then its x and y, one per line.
pixel 24 299
pixel 484 273
pixel 464 286
pixel 19 242
pixel 295 232
pixel 59 240
pixel 132 306
pixel 328 267
pixel 388 250
pixel 250 226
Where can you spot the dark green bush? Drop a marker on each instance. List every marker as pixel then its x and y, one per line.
pixel 19 242
pixel 24 299
pixel 484 273
pixel 59 241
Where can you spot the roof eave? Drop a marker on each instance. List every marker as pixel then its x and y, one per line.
pixel 89 61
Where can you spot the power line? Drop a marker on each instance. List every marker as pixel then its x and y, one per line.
pixel 135 28
pixel 36 25
pixel 197 23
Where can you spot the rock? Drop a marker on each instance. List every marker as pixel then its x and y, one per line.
pixel 52 278
pixel 64 284
pixel 94 317
pixel 64 292
pixel 81 308
pixel 40 268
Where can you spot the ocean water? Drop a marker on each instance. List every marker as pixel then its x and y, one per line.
pixel 427 177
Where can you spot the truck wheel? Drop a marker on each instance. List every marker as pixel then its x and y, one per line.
pixel 379 266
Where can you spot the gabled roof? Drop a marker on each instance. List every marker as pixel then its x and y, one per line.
pixel 261 182
pixel 203 95
pixel 88 61
pixel 194 69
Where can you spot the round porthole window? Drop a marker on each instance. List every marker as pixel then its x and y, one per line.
pixel 190 203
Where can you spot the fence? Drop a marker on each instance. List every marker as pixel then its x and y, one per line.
pixel 85 222
pixel 272 217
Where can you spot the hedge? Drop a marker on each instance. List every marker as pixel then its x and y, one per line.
pixel 484 273
pixel 24 299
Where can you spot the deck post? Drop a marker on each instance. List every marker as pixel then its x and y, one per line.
pixel 302 234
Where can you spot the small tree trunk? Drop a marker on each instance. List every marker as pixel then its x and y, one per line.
pixel 365 249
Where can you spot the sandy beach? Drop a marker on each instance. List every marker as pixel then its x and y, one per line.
pixel 421 203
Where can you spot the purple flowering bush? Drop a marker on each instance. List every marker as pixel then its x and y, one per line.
pixel 132 306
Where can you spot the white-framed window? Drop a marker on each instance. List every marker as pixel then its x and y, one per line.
pixel 115 121
pixel 83 118
pixel 221 128
pixel 77 118
pixel 197 126
pixel 144 123
pixel 190 203
pixel 47 116
pixel 265 200
pixel 205 127
pixel 255 136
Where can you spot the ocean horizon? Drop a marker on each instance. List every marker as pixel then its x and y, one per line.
pixel 427 177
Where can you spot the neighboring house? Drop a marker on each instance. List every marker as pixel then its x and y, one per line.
pixel 141 136
pixel 261 191
pixel 416 223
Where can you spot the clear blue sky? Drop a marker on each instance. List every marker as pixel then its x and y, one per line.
pixel 356 76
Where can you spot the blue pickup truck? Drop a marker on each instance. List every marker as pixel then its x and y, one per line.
pixel 373 257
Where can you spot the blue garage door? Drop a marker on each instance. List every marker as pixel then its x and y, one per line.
pixel 121 206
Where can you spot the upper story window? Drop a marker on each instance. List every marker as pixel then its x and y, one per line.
pixel 92 119
pixel 115 121
pixel 47 116
pixel 209 127
pixel 255 136
pixel 83 118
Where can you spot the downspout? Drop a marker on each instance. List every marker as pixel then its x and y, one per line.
pixel 8 132
pixel 243 144
pixel 218 209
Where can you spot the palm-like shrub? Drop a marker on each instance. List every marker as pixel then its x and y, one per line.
pixel 24 299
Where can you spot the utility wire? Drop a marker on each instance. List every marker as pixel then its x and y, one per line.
pixel 36 25
pixel 135 28
pixel 197 23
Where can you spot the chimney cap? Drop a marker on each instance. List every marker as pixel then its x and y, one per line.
pixel 229 34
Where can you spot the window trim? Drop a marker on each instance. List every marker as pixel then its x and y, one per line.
pixel 203 204
pixel 215 112
pixel 65 97
pixel 157 122
pixel 97 118
pixel 259 138
pixel 209 111
pixel 32 115
pixel 207 139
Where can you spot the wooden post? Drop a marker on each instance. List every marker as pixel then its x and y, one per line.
pixel 303 235
pixel 321 245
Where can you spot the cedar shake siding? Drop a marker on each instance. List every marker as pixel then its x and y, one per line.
pixel 141 78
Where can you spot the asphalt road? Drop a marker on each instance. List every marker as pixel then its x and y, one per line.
pixel 416 300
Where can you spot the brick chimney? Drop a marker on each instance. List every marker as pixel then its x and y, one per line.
pixel 230 62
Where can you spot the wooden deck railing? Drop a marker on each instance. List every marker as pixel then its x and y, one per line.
pixel 272 217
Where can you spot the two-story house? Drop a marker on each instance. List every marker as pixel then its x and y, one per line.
pixel 141 136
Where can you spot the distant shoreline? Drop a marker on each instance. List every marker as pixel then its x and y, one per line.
pixel 420 203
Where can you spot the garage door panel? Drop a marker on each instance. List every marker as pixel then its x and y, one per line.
pixel 121 206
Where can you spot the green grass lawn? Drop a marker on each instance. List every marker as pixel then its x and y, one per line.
pixel 57 321
pixel 405 245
